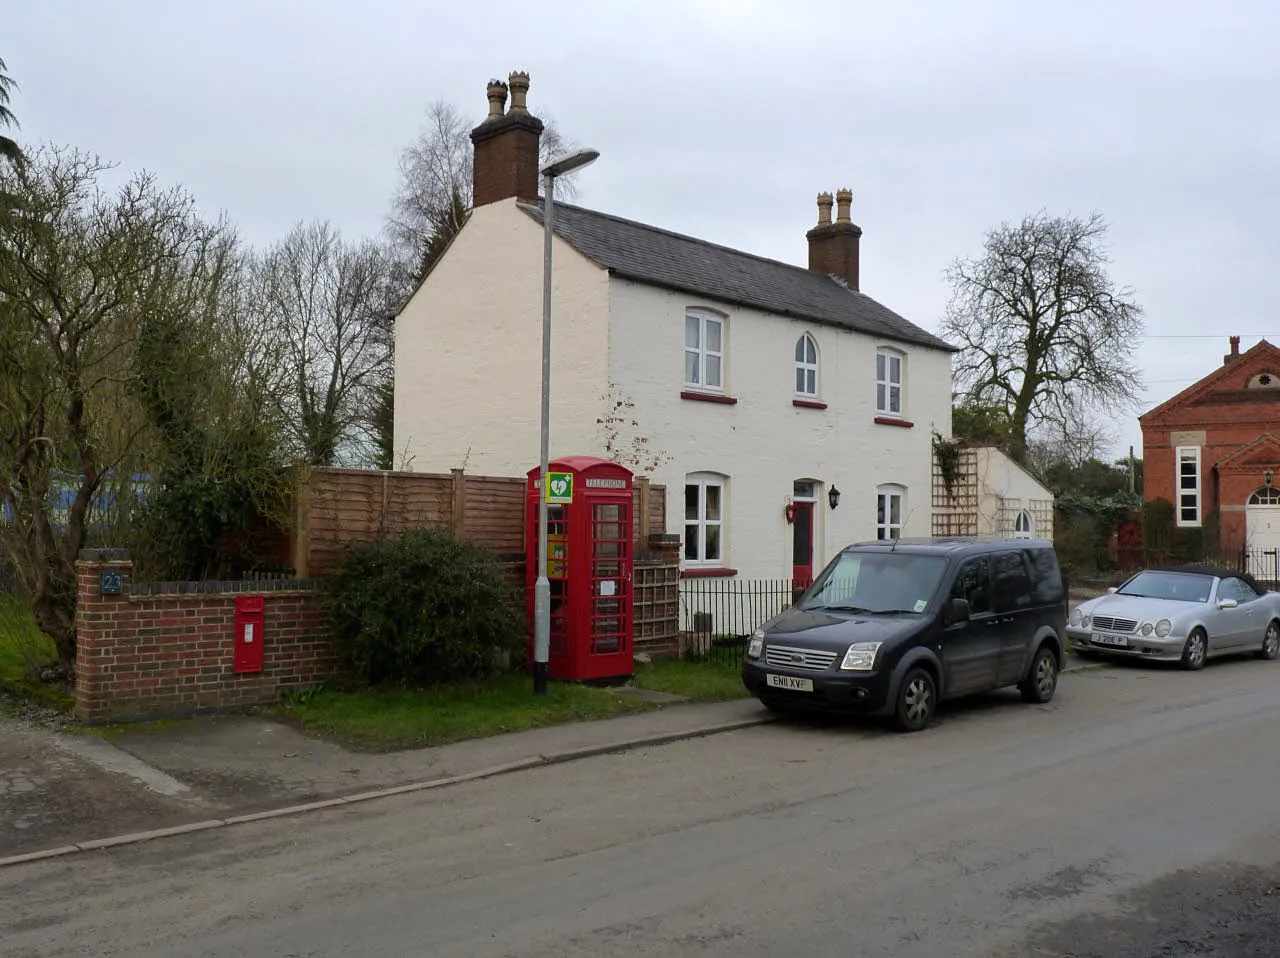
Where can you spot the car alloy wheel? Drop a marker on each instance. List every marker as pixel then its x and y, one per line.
pixel 1042 681
pixel 916 700
pixel 1194 652
pixel 1271 642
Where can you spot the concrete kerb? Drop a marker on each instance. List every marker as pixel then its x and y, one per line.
pixel 536 761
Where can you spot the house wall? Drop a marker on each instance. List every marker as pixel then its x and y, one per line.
pixel 763 443
pixel 1004 490
pixel 469 351
pixel 1220 414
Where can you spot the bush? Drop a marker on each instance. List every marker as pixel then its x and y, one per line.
pixel 422 609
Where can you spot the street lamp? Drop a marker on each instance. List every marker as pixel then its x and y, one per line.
pixel 542 586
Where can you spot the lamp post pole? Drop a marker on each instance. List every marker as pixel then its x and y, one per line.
pixel 542 585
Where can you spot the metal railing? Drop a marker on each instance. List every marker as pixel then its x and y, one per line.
pixel 717 616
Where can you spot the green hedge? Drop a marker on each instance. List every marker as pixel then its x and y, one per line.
pixel 422 609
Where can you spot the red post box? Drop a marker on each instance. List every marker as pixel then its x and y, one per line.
pixel 250 610
pixel 589 565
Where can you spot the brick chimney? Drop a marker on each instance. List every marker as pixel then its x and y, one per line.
pixel 1235 351
pixel 833 247
pixel 506 146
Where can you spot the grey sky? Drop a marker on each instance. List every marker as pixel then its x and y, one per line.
pixel 724 118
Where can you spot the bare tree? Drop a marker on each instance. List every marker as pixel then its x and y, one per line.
pixel 433 198
pixel 1045 334
pixel 323 302
pixel 80 270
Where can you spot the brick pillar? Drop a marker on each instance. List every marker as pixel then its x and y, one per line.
pixel 97 623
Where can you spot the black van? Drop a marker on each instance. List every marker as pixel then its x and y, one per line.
pixel 892 627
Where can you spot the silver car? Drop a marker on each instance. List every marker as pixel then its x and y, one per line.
pixel 1179 616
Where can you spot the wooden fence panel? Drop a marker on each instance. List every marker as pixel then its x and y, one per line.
pixel 340 508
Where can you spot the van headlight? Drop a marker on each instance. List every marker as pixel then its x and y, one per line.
pixel 1075 616
pixel 755 648
pixel 861 657
pixel 1163 628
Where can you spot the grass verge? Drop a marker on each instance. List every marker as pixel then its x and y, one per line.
pixel 23 649
pixel 696 681
pixel 388 719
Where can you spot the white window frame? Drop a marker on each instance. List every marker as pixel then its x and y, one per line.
pixel 705 318
pixel 885 495
pixel 1188 454
pixel 1024 517
pixel 704 480
pixel 804 367
pixel 888 384
pixel 1266 496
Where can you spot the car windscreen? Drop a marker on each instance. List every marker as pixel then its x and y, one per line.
pixel 878 582
pixel 1176 586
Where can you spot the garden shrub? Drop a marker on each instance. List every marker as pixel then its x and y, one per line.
pixel 422 609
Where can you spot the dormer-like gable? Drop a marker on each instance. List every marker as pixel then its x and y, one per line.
pixel 1249 378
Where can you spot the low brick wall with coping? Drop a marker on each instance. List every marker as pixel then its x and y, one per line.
pixel 165 648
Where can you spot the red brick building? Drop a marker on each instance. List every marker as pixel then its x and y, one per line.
pixel 1213 450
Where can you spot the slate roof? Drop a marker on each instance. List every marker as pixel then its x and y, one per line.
pixel 657 257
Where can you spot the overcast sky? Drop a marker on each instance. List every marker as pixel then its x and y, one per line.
pixel 724 118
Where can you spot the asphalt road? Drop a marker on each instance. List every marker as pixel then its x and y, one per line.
pixel 1137 815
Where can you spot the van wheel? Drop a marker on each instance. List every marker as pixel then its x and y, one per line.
pixel 917 699
pixel 1042 680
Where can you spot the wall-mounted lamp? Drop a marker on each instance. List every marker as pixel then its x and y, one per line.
pixel 833 497
pixel 1266 477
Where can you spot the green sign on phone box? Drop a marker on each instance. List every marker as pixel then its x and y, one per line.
pixel 560 488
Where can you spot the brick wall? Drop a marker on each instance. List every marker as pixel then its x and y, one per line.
pixel 166 648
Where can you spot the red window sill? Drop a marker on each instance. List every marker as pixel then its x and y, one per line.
pixel 707 573
pixel 808 404
pixel 890 421
pixel 708 397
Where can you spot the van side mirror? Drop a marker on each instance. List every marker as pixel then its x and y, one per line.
pixel 956 610
pixel 797 593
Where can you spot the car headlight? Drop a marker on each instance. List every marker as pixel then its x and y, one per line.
pixel 1084 621
pixel 755 648
pixel 1147 628
pixel 1075 616
pixel 1163 628
pixel 861 657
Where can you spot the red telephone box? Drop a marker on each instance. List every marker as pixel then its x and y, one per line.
pixel 589 564
pixel 250 617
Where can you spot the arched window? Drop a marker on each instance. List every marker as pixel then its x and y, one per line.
pixel 1023 526
pixel 889 363
pixel 806 366
pixel 1266 496
pixel 704 518
pixel 889 511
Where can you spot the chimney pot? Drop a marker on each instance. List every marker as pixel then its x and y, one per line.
pixel 506 147
pixel 1235 351
pixel 844 200
pixel 833 247
pixel 497 94
pixel 519 81
pixel 824 209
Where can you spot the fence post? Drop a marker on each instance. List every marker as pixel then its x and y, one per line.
pixel 644 510
pixel 301 537
pixel 458 515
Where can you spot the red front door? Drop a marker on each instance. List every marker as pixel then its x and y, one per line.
pixel 802 550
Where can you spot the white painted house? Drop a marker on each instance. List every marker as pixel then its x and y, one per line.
pixel 786 412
